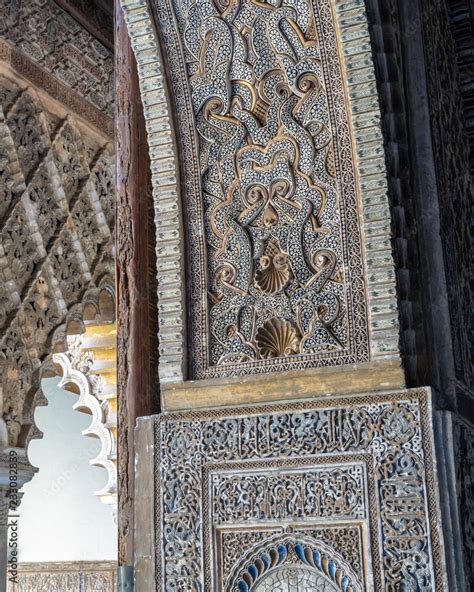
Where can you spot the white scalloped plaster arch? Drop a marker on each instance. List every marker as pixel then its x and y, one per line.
pixel 356 55
pixel 98 398
pixel 83 352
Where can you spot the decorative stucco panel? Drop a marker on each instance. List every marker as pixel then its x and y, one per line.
pixel 337 490
pixel 283 225
pixel 72 576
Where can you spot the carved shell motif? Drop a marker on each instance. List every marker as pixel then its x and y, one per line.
pixel 275 270
pixel 277 338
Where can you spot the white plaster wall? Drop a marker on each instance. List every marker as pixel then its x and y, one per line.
pixel 60 517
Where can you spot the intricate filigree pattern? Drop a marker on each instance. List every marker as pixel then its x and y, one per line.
pixel 308 494
pixel 345 540
pixel 276 196
pixel 289 564
pixel 51 38
pixel 366 460
pixel 212 97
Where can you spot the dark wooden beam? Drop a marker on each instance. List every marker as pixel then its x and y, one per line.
pixel 137 348
pixel 98 21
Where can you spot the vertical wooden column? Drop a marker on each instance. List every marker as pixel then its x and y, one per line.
pixel 137 381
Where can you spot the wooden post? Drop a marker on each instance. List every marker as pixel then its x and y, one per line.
pixel 137 381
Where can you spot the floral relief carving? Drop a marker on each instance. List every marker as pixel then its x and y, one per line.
pixel 40 314
pixel 94 576
pixel 21 248
pixel 16 375
pixel 70 159
pixel 47 197
pixel 12 182
pixel 28 131
pixel 103 178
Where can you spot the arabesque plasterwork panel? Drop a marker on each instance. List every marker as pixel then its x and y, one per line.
pixel 271 499
pixel 277 128
pixel 364 463
pixel 346 542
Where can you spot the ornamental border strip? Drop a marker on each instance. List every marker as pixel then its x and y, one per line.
pixel 165 181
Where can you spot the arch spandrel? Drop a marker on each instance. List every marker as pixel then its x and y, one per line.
pixel 284 237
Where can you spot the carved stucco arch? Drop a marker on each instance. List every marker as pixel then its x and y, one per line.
pixel 56 244
pixel 355 54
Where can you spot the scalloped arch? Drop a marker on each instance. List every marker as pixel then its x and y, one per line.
pixel 291 552
pixel 87 374
pixel 87 402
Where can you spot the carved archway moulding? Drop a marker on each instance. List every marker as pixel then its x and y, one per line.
pixel 361 271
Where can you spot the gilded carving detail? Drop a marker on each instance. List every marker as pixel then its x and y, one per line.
pixel 280 148
pixel 278 191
